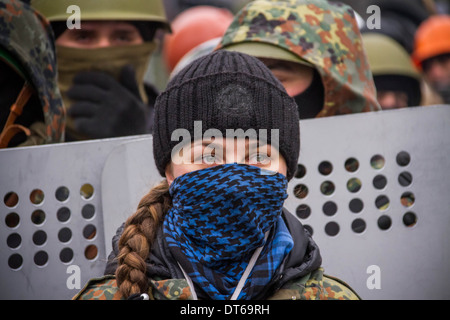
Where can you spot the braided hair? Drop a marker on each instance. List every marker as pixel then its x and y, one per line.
pixel 137 239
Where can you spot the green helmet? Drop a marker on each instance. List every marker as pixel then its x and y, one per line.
pixel 387 57
pixel 134 10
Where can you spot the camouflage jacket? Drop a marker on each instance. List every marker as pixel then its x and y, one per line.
pixel 27 35
pixel 313 286
pixel 325 35
pixel 300 277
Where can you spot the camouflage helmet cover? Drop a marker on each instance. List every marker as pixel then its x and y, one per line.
pixel 135 10
pixel 323 33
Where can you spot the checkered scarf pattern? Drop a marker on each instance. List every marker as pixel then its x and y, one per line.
pixel 219 217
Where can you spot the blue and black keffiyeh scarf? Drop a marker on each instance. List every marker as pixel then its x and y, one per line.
pixel 220 216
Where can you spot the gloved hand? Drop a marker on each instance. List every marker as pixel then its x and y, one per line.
pixel 105 107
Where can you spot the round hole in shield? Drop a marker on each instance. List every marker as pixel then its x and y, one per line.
pixel 88 211
pixel 63 214
pixel 405 179
pixel 41 258
pixel 358 225
pixel 409 219
pixel 377 162
pixel 38 217
pixel 87 191
pixel 329 208
pixel 303 211
pixel 12 220
pixel 89 232
pixel 331 228
pixel 384 222
pixel 407 199
pixel 64 235
pixel 62 194
pixel 351 165
pixel 300 172
pixel 11 199
pixel 379 182
pixel 403 158
pixel 39 237
pixel 14 240
pixel 356 205
pixel 327 188
pixel 309 229
pixel 325 168
pixel 300 191
pixel 66 255
pixel 91 252
pixel 37 196
pixel 15 261
pixel 382 202
pixel 354 185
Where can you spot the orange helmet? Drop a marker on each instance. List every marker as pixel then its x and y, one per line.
pixel 432 38
pixel 192 27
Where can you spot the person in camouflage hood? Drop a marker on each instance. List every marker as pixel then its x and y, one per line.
pixel 31 107
pixel 315 34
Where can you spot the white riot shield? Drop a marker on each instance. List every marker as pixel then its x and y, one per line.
pixel 371 188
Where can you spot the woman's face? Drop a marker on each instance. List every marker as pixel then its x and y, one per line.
pixel 202 154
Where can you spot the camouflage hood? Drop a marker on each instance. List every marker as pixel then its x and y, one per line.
pixel 324 35
pixel 27 36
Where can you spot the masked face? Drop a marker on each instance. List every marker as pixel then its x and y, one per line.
pixel 220 216
pixel 295 77
pixel 105 46
pixel 110 60
pixel 301 82
pixel 437 72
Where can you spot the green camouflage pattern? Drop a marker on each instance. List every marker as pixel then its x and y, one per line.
pixel 313 286
pixel 324 34
pixel 27 35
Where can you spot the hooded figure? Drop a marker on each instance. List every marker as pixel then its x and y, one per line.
pixel 315 33
pixel 31 107
pixel 216 228
pixel 397 80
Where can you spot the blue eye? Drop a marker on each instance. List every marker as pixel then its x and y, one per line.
pixel 209 159
pixel 259 158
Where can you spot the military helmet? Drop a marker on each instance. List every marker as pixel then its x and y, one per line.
pixel 135 10
pixel 432 38
pixel 386 56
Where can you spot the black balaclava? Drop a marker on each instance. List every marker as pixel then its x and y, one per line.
pixel 405 84
pixel 310 102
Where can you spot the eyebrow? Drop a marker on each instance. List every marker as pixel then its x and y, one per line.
pixel 248 145
pixel 278 65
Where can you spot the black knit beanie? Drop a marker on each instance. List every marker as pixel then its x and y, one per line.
pixel 226 90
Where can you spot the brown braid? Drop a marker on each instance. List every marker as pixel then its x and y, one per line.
pixel 137 239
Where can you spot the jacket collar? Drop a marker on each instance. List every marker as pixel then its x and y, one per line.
pixel 303 258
